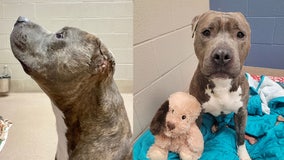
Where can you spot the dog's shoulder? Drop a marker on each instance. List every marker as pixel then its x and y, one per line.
pixel 197 87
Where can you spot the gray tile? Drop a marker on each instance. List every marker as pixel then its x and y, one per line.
pixel 265 8
pixel 262 29
pixel 229 6
pixel 262 55
pixel 279 31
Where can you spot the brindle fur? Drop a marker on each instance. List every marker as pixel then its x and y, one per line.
pixel 223 29
pixel 76 72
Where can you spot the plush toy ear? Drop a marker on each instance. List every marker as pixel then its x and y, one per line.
pixel 158 122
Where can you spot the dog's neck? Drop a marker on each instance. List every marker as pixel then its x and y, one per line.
pixel 200 83
pixel 79 117
pixel 66 95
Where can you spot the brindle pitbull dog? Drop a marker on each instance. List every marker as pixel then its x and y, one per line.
pixel 222 43
pixel 76 71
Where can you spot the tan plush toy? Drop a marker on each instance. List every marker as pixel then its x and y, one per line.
pixel 175 129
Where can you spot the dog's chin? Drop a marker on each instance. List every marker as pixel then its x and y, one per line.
pixel 25 67
pixel 221 75
pixel 224 74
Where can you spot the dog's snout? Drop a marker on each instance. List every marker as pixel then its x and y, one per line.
pixel 21 19
pixel 171 126
pixel 221 56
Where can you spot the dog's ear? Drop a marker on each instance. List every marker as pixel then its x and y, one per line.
pixel 158 122
pixel 103 50
pixel 102 61
pixel 194 24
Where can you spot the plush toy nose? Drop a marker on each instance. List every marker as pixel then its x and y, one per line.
pixel 170 126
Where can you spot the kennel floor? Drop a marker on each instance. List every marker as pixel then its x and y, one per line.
pixel 33 133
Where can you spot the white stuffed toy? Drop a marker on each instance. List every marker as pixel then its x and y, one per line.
pixel 175 129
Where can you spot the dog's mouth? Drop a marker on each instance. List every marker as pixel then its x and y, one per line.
pixel 18 42
pixel 214 71
pixel 25 67
pixel 220 75
pixel 17 36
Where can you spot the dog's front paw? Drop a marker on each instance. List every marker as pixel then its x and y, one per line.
pixel 156 153
pixel 243 153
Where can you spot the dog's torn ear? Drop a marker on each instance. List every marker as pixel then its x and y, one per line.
pixel 158 122
pixel 102 60
pixel 194 24
pixel 106 53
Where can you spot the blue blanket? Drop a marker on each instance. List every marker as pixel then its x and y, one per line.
pixel 265 104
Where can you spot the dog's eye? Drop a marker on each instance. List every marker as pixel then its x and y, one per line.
pixel 59 35
pixel 183 117
pixel 206 33
pixel 240 34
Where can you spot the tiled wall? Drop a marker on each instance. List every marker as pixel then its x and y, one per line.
pixel 266 18
pixel 111 20
pixel 163 53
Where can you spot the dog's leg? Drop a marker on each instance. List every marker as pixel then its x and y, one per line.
pixel 240 126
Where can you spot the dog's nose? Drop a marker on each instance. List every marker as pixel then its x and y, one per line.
pixel 221 56
pixel 21 19
pixel 170 126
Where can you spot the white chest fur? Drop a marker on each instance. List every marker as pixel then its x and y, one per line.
pixel 221 99
pixel 61 153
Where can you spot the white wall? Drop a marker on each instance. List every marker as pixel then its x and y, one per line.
pixel 163 53
pixel 111 20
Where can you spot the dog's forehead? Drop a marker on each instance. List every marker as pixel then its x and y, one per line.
pixel 78 33
pixel 227 19
pixel 72 29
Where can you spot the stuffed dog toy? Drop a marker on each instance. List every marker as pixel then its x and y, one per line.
pixel 175 129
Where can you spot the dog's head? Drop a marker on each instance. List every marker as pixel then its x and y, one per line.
pixel 176 115
pixel 67 56
pixel 222 43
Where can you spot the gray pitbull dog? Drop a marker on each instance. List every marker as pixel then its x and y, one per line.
pixel 76 71
pixel 221 44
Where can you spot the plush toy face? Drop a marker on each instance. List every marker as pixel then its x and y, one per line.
pixel 183 111
pixel 177 122
pixel 175 130
pixel 176 115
